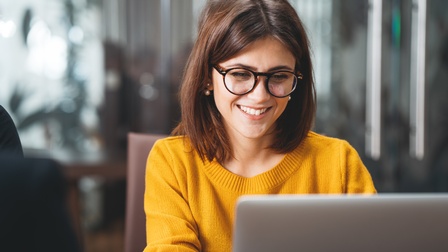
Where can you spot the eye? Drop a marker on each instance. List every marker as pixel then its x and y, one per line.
pixel 280 77
pixel 240 74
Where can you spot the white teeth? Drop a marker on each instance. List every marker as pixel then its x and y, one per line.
pixel 252 111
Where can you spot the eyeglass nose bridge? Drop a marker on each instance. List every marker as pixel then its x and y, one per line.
pixel 267 75
pixel 257 78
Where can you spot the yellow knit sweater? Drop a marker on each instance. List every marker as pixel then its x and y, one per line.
pixel 189 203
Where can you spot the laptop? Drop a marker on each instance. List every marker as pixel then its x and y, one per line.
pixel 382 222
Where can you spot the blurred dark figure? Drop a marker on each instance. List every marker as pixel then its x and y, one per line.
pixel 33 211
pixel 9 138
pixel 438 121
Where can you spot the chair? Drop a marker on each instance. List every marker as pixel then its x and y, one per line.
pixel 139 145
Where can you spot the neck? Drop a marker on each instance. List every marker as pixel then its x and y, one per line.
pixel 252 157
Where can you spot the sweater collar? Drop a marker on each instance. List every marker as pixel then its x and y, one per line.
pixel 221 177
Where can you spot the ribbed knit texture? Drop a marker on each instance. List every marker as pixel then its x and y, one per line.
pixel 189 203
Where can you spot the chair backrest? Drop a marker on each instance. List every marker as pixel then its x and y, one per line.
pixel 139 145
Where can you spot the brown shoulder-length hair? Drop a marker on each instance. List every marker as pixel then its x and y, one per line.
pixel 225 28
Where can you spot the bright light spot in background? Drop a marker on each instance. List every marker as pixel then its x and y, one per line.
pixel 47 53
pixel 37 71
pixel 76 35
pixel 7 28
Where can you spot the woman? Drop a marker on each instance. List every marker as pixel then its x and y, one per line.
pixel 248 104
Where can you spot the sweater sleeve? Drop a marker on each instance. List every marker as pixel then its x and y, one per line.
pixel 170 225
pixel 356 177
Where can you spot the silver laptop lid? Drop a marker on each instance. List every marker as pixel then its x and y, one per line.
pixel 383 222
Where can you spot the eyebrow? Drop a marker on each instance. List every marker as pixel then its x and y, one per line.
pixel 276 68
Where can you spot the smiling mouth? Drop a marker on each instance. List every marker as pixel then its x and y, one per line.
pixel 252 111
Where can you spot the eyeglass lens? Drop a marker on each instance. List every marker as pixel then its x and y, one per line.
pixel 241 81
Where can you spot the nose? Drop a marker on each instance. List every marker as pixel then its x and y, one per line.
pixel 260 93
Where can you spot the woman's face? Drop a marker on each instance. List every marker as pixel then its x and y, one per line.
pixel 253 115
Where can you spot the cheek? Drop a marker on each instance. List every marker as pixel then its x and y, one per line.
pixel 216 80
pixel 281 104
pixel 220 93
pixel 222 100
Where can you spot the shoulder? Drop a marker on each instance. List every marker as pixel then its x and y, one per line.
pixel 342 158
pixel 321 145
pixel 320 141
pixel 173 143
pixel 173 147
pixel 172 157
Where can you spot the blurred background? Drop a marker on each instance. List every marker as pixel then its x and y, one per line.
pixel 77 75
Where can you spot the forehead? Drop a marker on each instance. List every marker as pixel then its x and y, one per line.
pixel 262 54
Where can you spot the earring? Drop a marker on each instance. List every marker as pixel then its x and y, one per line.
pixel 207 92
pixel 289 98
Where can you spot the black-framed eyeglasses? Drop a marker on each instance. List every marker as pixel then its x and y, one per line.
pixel 240 81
